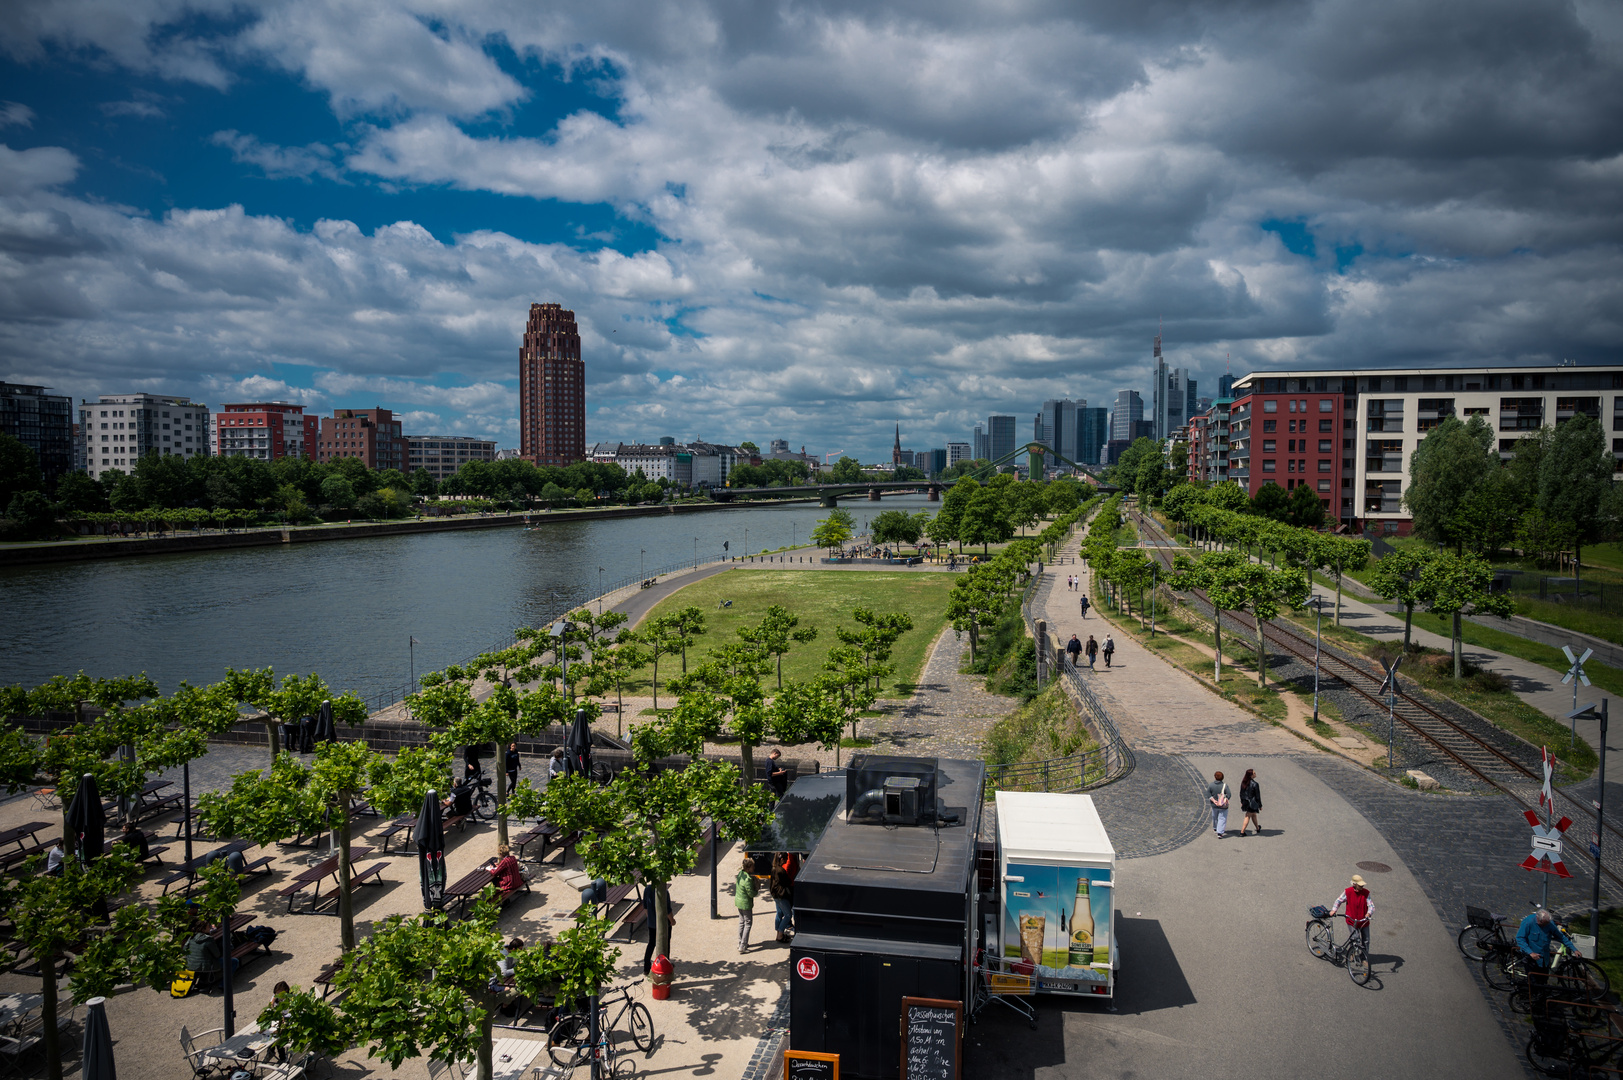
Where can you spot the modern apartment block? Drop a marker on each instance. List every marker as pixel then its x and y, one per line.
pixel 442 455
pixel 118 429
pixel 266 430
pixel 551 388
pixel 1209 444
pixel 1350 433
pixel 43 422
pixel 373 435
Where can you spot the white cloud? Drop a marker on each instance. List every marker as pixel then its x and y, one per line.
pixel 279 162
pixel 14 112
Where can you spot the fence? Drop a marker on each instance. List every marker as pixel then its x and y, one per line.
pixel 571 600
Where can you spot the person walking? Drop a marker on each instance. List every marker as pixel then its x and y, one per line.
pixel 1093 652
pixel 511 761
pixel 744 899
pixel 1217 794
pixel 1074 647
pixel 1110 649
pixel 1250 801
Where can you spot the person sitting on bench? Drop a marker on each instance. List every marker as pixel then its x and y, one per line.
pixel 137 840
pixel 203 954
pixel 233 860
pixel 460 801
pixel 505 872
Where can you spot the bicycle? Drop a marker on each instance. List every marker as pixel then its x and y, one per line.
pixel 1321 942
pixel 484 803
pixel 1579 982
pixel 568 1041
pixel 1483 933
pixel 1559 1046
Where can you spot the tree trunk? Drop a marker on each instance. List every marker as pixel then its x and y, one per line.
pixel 1338 594
pixel 1262 655
pixel 780 671
pixel 1217 633
pixel 1459 649
pixel 273 728
pixel 746 757
pixel 346 906
pixel 1408 621
pixel 656 680
pixel 501 797
pixel 47 1015
pixel 662 920
pixel 487 1051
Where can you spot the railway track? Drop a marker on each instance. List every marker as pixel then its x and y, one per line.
pixel 1479 757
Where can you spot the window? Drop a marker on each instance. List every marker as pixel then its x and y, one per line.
pixel 1327 404
pixel 1292 405
pixel 1324 464
pixel 1267 466
pixel 1324 446
pixel 1270 406
pixel 1324 485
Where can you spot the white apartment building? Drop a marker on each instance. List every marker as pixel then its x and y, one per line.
pixel 1367 424
pixel 442 455
pixel 958 451
pixel 117 429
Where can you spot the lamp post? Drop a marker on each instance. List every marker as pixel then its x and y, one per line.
pixel 1155 569
pixel 1317 604
pixel 1390 687
pixel 695 551
pixel 1589 712
pixel 640 553
pixel 559 634
pixel 411 657
pixel 600 590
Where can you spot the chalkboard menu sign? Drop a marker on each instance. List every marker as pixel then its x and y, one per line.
pixel 807 1065
pixel 930 1038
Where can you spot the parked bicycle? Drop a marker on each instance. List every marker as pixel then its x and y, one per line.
pixel 1321 942
pixel 484 803
pixel 1484 933
pixel 1562 1045
pixel 1570 978
pixel 569 1040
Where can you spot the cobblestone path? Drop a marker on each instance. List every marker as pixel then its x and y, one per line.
pixel 948 713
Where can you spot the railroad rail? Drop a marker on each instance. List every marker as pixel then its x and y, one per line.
pixel 1464 747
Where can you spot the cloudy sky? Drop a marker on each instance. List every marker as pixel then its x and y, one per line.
pixel 806 220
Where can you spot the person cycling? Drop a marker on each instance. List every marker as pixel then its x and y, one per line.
pixel 1360 908
pixel 1534 938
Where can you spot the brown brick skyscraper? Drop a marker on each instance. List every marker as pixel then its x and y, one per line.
pixel 551 389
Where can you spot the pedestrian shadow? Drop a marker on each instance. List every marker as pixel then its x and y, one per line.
pixel 1162 984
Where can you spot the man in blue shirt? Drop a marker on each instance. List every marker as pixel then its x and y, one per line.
pixel 1534 935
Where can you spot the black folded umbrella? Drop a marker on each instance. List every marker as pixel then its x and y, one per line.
pixel 429 836
pixel 326 731
pixel 86 819
pixel 98 1045
pixel 578 746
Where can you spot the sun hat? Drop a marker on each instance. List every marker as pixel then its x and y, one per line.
pixel 1356 880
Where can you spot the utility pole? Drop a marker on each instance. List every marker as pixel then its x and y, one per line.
pixel 1390 688
pixel 1575 675
pixel 1589 712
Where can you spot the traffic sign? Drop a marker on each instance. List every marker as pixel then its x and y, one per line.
pixel 1545 855
pixel 1594 851
pixel 807 968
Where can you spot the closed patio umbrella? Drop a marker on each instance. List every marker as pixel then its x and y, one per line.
pixel 578 745
pixel 429 836
pixel 97 1061
pixel 326 731
pixel 86 819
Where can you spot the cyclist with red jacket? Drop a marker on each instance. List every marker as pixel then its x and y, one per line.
pixel 1360 908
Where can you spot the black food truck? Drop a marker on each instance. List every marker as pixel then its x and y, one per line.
pixel 885 903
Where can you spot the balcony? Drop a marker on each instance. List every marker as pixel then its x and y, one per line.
pixel 1384 423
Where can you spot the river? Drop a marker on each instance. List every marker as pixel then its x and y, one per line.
pixel 347 609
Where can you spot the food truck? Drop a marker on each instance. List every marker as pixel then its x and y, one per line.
pixel 1057 884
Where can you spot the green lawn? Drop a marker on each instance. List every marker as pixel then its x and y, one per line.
pixel 1607 678
pixel 821 598
pixel 1579 619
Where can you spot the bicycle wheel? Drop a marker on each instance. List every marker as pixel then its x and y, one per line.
pixel 1594 976
pixel 1505 970
pixel 1547 1049
pixel 1478 943
pixel 1523 999
pixel 1357 961
pixel 484 807
pixel 1319 941
pixel 566 1042
pixel 641 1022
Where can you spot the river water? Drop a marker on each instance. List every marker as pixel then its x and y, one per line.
pixel 347 609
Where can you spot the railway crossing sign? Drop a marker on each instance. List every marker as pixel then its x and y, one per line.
pixel 1575 675
pixel 1546 798
pixel 1546 852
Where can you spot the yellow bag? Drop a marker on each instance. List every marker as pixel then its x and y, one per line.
pixel 182 984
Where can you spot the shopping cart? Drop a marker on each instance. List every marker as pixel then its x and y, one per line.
pixel 1003 982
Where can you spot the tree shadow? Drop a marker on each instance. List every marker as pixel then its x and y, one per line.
pixel 718 1004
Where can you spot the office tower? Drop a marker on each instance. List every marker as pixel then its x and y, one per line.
pixel 1225 385
pixel 119 429
pixel 1093 431
pixel 981 449
pixel 1053 430
pixel 958 451
pixel 44 423
pixel 1171 399
pixel 551 388
pixel 937 463
pixel 999 437
pixel 1128 412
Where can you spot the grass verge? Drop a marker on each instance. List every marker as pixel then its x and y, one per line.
pixel 1047 726
pixel 821 598
pixel 1607 678
pixel 1574 617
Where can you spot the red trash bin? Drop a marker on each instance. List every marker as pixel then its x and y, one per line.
pixel 659 976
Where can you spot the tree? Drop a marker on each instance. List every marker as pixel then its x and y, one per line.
pixel 1460 585
pixel 1444 470
pixel 749 447
pixel 907 472
pixel 948 523
pixel 973 603
pixel 19 469
pixel 298 697
pixel 423 484
pixel 985 520
pixel 1396 578
pixel 31 515
pixel 1270 502
pixel 774 632
pixel 616 664
pixel 425 984
pixel 294 798
pixel 1337 555
pixel 876 636
pixel 896 527
pixel 646 823
pixel 1574 479
pixel 1150 477
pixel 338 492
pixel 78 492
pixel 1487 518
pixel 1305 511
pixel 1061 497
pixel 847 470
pixel 1233 582
pixel 834 530
pixel 686 624
pixel 1543 537
pixel 660 637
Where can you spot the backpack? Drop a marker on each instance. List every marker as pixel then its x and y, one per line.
pixel 182 984
pixel 263 935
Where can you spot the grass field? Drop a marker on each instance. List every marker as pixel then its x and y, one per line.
pixel 821 598
pixel 1607 678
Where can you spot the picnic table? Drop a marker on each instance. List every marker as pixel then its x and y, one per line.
pixel 466 888
pixel 27 841
pixel 245 1046
pixel 552 837
pixel 510 1057
pixel 147 802
pixel 328 867
pixel 188 870
pixel 29 829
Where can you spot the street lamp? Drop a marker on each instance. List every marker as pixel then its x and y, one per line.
pixel 640 553
pixel 558 633
pixel 600 590
pixel 1317 604
pixel 695 551
pixel 1590 712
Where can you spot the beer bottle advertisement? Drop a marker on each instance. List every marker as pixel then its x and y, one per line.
pixel 1057 919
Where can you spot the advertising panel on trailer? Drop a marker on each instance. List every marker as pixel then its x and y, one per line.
pixel 1057 880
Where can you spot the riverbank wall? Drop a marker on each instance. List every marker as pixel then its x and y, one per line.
pixel 185 543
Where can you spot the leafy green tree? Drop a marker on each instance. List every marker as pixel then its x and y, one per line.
pixel 847 470
pixel 338 491
pixel 896 527
pixel 1233 582
pixel 661 638
pixel 53 914
pixel 773 634
pixel 616 664
pixel 646 823
pixel 1460 585
pixel 1397 578
pixel 19 469
pixel 1151 477
pixel 1337 556
pixel 423 484
pixel 1271 502
pixel 1487 517
pixel 297 698
pixel 1575 478
pixel 833 531
pixel 294 798
pixel 985 520
pixel 948 523
pixel 78 492
pixel 1306 510
pixel 907 472
pixel 1444 470
pixel 1062 497
pixel 428 985
pixel 974 602
pixel 749 447
pixel 1543 537
pixel 875 637
pixel 686 624
pixel 31 515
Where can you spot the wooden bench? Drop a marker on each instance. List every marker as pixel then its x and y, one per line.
pixel 526 838
pixel 13 858
pixel 326 975
pixel 392 830
pixel 556 840
pixel 456 820
pixel 367 876
pixel 153 807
